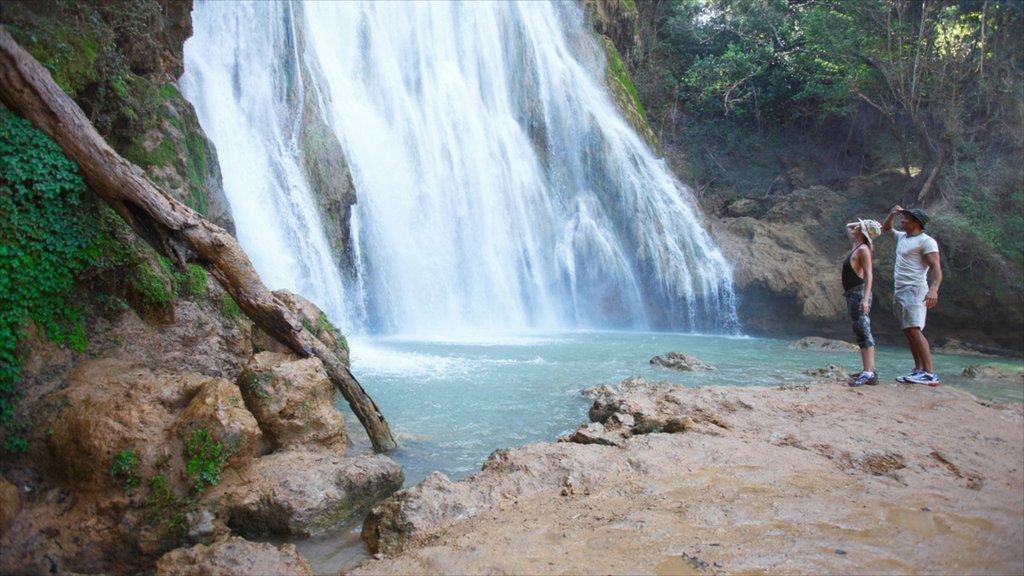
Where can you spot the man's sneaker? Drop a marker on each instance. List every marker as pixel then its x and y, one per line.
pixel 869 378
pixel 924 377
pixel 906 378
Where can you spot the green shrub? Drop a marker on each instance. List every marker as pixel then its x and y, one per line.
pixel 229 308
pixel 205 458
pixel 150 287
pixel 126 467
pixel 193 282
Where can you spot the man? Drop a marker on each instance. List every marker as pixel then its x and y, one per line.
pixel 916 254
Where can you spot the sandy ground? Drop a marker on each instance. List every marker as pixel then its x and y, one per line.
pixel 819 479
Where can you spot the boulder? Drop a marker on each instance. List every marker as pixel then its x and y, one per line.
pixel 829 372
pixel 110 408
pixel 982 372
pixel 823 344
pixel 234 556
pixel 301 493
pixel 643 408
pixel 293 401
pixel 681 361
pixel 219 410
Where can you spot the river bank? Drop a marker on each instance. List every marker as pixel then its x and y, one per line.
pixel 805 478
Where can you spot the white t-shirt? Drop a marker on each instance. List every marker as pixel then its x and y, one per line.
pixel 911 267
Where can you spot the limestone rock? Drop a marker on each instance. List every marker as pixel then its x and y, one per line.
pixel 219 410
pixel 681 361
pixel 643 408
pixel 293 400
pixel 832 372
pixel 313 319
pixel 234 556
pixel 823 344
pixel 778 272
pixel 303 493
pixel 110 407
pixel 410 515
pixel 982 372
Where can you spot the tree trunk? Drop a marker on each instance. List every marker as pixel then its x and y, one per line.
pixel 171 227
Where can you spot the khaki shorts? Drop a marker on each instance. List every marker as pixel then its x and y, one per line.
pixel 908 304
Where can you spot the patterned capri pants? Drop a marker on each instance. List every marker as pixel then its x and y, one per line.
pixel 861 322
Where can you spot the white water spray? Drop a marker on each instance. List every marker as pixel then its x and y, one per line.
pixel 499 189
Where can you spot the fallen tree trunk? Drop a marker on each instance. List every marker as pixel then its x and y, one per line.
pixel 170 227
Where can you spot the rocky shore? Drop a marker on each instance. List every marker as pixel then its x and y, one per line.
pixel 811 479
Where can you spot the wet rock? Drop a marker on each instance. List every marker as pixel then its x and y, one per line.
pixel 832 372
pixel 596 433
pixel 302 493
pixel 681 361
pixel 823 344
pixel 981 372
pixel 293 401
pixel 234 556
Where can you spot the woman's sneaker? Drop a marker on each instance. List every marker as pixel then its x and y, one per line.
pixel 863 378
pixel 924 377
pixel 906 378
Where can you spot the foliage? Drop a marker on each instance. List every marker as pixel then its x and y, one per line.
pixel 80 43
pixel 193 282
pixel 931 87
pixel 46 239
pixel 126 467
pixel 206 459
pixel 229 308
pixel 149 285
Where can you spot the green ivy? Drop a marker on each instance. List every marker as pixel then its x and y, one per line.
pixel 46 239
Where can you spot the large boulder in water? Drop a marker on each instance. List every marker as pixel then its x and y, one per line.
pixel 681 361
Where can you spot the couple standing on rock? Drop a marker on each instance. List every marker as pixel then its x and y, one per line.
pixel 916 254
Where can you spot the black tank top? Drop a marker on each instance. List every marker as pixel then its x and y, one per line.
pixel 850 278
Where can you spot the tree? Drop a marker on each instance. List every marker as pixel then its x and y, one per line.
pixel 170 227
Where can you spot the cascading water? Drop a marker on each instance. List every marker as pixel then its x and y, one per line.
pixel 499 188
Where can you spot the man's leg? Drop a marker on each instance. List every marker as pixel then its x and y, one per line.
pixel 919 348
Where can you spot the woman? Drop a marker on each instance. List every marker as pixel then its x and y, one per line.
pixel 857 280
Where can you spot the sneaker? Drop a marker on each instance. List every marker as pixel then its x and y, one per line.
pixel 869 378
pixel 906 378
pixel 924 377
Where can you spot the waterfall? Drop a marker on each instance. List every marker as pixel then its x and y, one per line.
pixel 499 189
